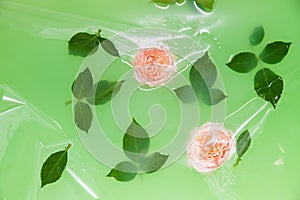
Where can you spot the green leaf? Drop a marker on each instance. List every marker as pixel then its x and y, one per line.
pixel 185 94
pixel 82 85
pixel 207 69
pixel 83 116
pixel 274 52
pixel 102 93
pixel 203 75
pixel 257 36
pixel 83 44
pixel 118 87
pixel 198 84
pixel 153 162
pixel 243 62
pixel 109 47
pixel 136 142
pixel 54 166
pixel 214 97
pixel 205 4
pixel 268 85
pixel 242 145
pixel 124 171
pixel 167 2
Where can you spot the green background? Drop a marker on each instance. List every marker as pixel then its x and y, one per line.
pixel 40 70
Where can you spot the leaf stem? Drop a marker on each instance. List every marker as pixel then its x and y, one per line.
pixel 68 102
pixel 237 162
pixel 98 33
pixel 68 147
pixel 265 77
pixel 261 66
pixel 259 61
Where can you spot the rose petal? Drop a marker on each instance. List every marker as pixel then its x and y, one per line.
pixel 153 66
pixel 212 145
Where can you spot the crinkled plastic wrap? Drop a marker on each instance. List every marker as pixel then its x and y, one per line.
pixel 188 43
pixel 15 113
pixel 187 48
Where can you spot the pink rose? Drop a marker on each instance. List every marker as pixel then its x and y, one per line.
pixel 153 66
pixel 210 147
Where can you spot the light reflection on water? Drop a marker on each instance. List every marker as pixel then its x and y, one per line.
pixel 166 6
pixel 162 6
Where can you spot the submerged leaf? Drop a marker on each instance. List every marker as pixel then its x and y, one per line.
pixel 82 85
pixel 153 162
pixel 198 84
pixel 207 69
pixel 274 52
pixel 109 47
pixel 136 142
pixel 83 116
pixel 118 87
pixel 268 85
pixel 205 3
pixel 124 171
pixel 54 166
pixel 242 145
pixel 243 62
pixel 167 2
pixel 102 93
pixel 214 97
pixel 83 44
pixel 257 36
pixel 203 75
pixel 185 94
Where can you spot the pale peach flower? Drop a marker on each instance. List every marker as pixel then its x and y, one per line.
pixel 210 147
pixel 153 66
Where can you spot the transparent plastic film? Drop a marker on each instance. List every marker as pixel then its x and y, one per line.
pixel 251 115
pixel 15 111
pixel 141 94
pixel 16 116
pixel 79 178
pixel 50 24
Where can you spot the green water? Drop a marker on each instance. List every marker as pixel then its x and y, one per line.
pixel 40 70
